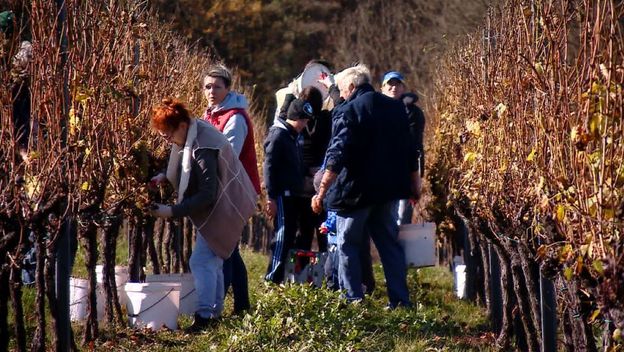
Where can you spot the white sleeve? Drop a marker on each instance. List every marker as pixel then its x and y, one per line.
pixel 235 131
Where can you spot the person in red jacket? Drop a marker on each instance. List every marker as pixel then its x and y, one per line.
pixel 227 111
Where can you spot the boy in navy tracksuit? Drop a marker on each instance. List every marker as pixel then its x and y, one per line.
pixel 283 178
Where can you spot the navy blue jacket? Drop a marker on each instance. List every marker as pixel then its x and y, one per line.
pixel 283 164
pixel 370 151
pixel 416 118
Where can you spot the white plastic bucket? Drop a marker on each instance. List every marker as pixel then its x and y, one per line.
pixel 310 77
pixel 78 298
pixel 460 281
pixel 418 242
pixel 153 304
pixel 188 296
pixel 121 277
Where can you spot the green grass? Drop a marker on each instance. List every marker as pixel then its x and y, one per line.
pixel 121 254
pixel 301 318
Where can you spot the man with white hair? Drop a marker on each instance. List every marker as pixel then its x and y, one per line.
pixel 369 161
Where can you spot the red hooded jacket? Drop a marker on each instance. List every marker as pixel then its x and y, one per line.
pixel 248 153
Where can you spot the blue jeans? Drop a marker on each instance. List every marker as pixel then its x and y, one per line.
pixel 207 269
pixel 380 221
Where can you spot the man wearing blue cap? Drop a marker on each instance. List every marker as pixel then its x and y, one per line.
pixel 393 86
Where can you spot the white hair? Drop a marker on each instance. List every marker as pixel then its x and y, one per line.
pixel 356 75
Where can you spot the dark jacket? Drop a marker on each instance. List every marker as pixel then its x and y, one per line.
pixel 220 217
pixel 316 137
pixel 283 165
pixel 201 192
pixel 416 119
pixel 370 151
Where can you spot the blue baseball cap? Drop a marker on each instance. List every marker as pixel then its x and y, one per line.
pixel 392 75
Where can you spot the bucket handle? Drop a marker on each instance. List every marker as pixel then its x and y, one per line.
pixel 77 301
pixel 150 307
pixel 188 294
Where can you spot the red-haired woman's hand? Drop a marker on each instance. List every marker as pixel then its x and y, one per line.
pixel 157 180
pixel 161 210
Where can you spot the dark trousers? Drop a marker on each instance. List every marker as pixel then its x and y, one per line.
pixel 366 265
pixel 235 274
pixel 285 225
pixel 309 224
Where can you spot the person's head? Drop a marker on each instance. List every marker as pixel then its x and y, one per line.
pixel 393 85
pixel 217 84
pixel 171 120
pixel 349 79
pixel 299 113
pixel 312 95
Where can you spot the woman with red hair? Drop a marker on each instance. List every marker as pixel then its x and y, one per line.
pixel 213 190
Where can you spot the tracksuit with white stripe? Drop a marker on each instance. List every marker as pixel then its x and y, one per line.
pixel 283 178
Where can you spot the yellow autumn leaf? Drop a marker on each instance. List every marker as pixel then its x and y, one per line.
pixel 474 127
pixel 597 124
pixel 574 133
pixel 85 186
pixel 568 273
pixel 619 181
pixel 539 67
pixel 560 213
pixel 503 167
pixel 82 95
pixel 592 205
pixel 565 253
pixel 531 155
pixel 500 109
pixel 597 87
pixel 74 122
pixel 594 315
pixel 578 267
pixel 597 265
pixel 608 213
pixel 470 157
